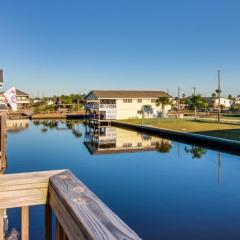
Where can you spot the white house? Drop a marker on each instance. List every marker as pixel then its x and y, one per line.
pixel 113 105
pixel 236 100
pixel 225 102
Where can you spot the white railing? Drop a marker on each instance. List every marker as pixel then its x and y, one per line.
pixel 101 106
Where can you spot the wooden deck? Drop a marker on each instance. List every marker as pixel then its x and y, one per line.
pixel 80 213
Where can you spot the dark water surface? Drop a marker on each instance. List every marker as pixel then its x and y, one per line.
pixel 161 189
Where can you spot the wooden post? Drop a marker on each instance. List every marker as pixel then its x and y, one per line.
pixel 3 163
pixel 59 231
pixel 48 222
pixel 25 223
pixel 1 224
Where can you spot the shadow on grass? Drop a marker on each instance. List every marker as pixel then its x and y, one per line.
pixel 215 122
pixel 233 134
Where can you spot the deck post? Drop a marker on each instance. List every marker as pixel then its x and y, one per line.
pixel 59 231
pixel 1 224
pixel 48 222
pixel 25 223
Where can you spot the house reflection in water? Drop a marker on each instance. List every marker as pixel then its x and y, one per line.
pixel 17 125
pixel 108 139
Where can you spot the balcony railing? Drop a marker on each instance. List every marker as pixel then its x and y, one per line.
pixel 102 106
pixel 99 106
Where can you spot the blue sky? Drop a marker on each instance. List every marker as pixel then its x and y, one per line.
pixel 53 46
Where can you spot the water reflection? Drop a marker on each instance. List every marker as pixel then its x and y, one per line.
pixel 73 125
pixel 164 146
pixel 195 151
pixel 109 139
pixel 17 125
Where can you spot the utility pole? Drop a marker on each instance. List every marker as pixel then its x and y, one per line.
pixel 218 91
pixel 194 91
pixel 178 99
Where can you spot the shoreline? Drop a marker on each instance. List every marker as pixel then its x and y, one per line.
pixel 215 143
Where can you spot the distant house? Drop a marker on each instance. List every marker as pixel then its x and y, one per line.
pixel 236 100
pixel 36 100
pixel 23 99
pixel 213 101
pixel 112 105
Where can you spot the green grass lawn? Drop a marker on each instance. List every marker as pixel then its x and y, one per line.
pixel 222 130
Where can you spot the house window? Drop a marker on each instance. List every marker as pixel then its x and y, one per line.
pixel 153 143
pixel 153 100
pixel 139 100
pixel 126 145
pixel 127 100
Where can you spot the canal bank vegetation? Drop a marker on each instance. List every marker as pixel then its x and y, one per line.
pixel 205 127
pixel 69 103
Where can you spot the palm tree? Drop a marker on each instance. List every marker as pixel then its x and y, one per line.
pixel 163 101
pixel 164 146
pixel 197 152
pixel 195 102
pixel 77 99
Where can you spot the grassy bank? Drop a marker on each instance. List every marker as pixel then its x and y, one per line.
pixel 222 130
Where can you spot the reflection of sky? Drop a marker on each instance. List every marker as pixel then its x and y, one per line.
pixel 160 195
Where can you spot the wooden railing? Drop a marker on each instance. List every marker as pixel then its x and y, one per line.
pixel 80 213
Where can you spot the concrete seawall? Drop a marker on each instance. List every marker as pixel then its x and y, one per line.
pixel 223 145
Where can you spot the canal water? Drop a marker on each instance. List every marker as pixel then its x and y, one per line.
pixel 162 189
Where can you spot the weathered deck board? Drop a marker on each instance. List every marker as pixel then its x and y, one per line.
pixel 82 214
pixel 24 189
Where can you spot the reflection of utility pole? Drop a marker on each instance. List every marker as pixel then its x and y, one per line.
pixel 219 167
pixel 178 150
pixel 219 94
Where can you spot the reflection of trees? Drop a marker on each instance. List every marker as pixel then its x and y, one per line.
pixel 53 124
pixel 76 133
pixel 36 123
pixel 44 129
pixel 197 152
pixel 164 146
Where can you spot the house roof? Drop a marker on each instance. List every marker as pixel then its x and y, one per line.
pixel 127 94
pixel 21 93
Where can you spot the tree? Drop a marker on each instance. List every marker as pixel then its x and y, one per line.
pixel 77 98
pixel 230 97
pixel 163 101
pixel 214 95
pixel 196 102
